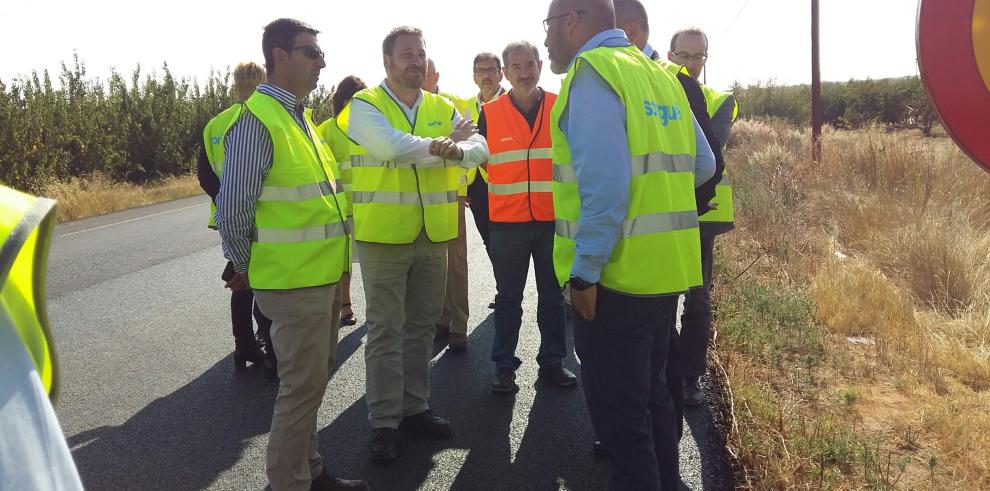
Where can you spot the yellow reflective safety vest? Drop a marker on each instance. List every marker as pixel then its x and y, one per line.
pixel 340 146
pixel 467 175
pixel 213 139
pixel 327 134
pixel 300 237
pixel 725 213
pixel 469 107
pixel 395 200
pixel 659 250
pixel 26 225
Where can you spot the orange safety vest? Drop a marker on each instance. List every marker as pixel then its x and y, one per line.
pixel 520 168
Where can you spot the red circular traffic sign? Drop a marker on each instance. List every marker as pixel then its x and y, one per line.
pixel 954 56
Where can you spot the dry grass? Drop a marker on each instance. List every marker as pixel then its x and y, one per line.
pixel 97 194
pixel 888 239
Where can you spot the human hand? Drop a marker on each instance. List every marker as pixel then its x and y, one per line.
pixel 463 130
pixel 446 148
pixel 585 302
pixel 238 282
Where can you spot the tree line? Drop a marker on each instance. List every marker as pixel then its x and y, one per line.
pixel 896 103
pixel 148 126
pixel 136 129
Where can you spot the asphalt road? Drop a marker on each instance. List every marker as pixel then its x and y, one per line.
pixel 150 398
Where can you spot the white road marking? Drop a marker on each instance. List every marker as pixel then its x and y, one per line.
pixel 134 219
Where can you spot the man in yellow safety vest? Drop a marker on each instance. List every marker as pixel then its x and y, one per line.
pixel 33 451
pixel 409 145
pixel 627 157
pixel 689 47
pixel 281 213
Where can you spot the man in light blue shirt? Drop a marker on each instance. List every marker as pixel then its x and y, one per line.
pixel 622 340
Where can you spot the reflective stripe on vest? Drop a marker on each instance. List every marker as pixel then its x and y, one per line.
pixel 520 167
pixel 638 166
pixel 26 225
pixel 214 134
pixel 340 148
pixel 309 234
pixel 395 200
pixel 400 198
pixel 300 234
pixel 659 251
pixel 654 223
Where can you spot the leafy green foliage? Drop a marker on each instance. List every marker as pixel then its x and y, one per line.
pixel 894 102
pixel 139 129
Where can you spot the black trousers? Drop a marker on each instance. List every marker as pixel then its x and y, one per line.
pixel 242 306
pixel 623 354
pixel 696 321
pixel 478 192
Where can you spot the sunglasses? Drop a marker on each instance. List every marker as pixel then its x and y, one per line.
pixel 311 52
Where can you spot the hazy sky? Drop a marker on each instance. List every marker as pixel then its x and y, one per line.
pixel 751 40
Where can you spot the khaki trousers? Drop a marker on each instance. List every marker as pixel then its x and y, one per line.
pixel 455 304
pixel 404 290
pixel 304 327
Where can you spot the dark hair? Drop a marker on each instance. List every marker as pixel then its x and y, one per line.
pixel 631 11
pixel 689 30
pixel 389 43
pixel 522 46
pixel 487 56
pixel 345 90
pixel 281 33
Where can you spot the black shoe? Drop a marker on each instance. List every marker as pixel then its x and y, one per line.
pixel 428 423
pixel 243 355
pixel 693 395
pixel 347 319
pixel 559 375
pixel 383 445
pixel 598 450
pixel 327 482
pixel 505 380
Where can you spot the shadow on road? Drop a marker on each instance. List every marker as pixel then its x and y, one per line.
pixel 182 441
pixel 554 435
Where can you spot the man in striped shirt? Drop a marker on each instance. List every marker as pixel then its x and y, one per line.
pixel 302 312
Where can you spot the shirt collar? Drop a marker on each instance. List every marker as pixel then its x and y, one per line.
pixel 283 96
pixel 419 97
pixel 648 50
pixel 501 90
pixel 614 37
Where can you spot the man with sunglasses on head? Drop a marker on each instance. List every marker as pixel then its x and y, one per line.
pixel 689 47
pixel 407 149
pixel 281 215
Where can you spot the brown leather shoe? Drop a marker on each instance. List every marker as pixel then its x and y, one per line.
pixel 457 341
pixel 328 482
pixel 442 331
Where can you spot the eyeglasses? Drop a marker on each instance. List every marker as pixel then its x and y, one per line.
pixel 486 71
pixel 311 52
pixel 688 56
pixel 546 22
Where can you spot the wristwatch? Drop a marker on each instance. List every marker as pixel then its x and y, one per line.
pixel 579 284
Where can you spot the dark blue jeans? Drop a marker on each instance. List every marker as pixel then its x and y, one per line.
pixel 623 354
pixel 511 246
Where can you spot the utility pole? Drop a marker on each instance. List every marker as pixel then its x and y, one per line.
pixel 816 88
